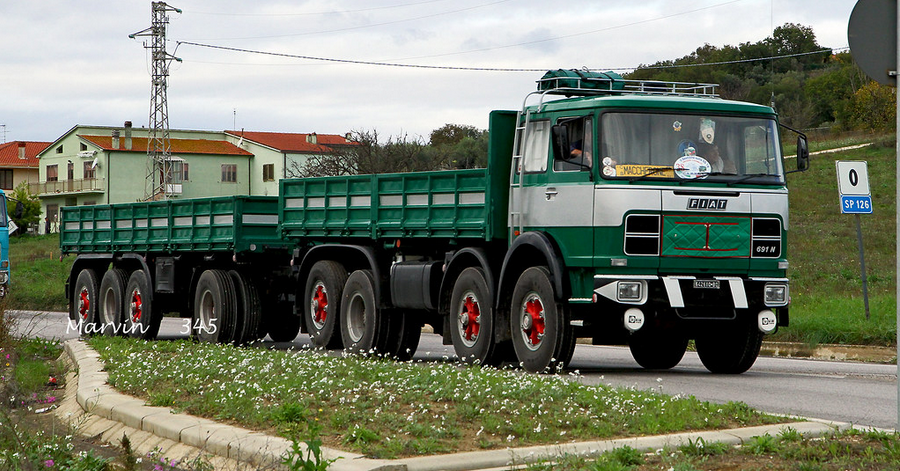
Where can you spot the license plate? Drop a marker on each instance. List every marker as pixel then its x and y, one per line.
pixel 706 284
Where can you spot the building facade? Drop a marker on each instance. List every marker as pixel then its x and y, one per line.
pixel 105 165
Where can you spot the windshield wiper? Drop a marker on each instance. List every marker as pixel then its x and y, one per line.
pixel 748 177
pixel 651 172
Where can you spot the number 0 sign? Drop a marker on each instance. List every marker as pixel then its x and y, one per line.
pixel 853 185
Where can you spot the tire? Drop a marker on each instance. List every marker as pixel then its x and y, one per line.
pixel 472 318
pixel 730 351
pixel 540 326
pixel 363 329
pixel 249 312
pixel 111 308
pixel 405 330
pixel 657 350
pixel 322 308
pixel 141 318
pixel 215 308
pixel 83 305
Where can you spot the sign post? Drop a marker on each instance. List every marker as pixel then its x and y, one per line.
pixel 853 185
pixel 875 46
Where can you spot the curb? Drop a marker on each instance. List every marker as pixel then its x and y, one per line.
pixel 96 398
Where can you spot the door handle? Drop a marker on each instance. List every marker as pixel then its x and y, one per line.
pixel 550 193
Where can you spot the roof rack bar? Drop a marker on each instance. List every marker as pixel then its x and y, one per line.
pixel 613 85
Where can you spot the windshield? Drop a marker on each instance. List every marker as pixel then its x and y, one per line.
pixel 645 146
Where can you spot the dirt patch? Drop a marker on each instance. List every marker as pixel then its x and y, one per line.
pixel 862 353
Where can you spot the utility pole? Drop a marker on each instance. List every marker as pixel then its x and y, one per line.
pixel 158 146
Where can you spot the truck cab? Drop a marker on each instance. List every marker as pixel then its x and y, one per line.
pixel 668 208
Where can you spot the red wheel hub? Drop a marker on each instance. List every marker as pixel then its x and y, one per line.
pixel 84 303
pixel 137 307
pixel 320 305
pixel 533 321
pixel 471 318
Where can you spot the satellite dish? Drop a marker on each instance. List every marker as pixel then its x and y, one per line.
pixel 94 163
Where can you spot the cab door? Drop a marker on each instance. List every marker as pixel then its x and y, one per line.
pixel 556 193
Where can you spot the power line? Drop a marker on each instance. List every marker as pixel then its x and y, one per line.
pixel 487 69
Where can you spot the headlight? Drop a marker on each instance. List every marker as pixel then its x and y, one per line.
pixel 776 294
pixel 630 291
pixel 4 276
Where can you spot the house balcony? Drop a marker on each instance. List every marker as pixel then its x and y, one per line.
pixel 62 187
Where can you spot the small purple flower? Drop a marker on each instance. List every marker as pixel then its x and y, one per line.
pixel 48 463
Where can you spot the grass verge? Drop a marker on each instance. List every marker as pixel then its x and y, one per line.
pixel 38 275
pixel 386 409
pixel 789 451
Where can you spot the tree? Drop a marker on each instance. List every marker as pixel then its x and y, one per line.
pixel 369 156
pixel 450 134
pixel 31 207
pixel 872 108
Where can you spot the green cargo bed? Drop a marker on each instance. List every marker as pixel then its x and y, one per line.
pixel 446 204
pixel 231 223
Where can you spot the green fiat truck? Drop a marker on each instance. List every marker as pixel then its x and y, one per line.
pixel 637 213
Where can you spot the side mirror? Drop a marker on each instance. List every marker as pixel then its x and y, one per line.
pixel 560 134
pixel 20 210
pixel 802 153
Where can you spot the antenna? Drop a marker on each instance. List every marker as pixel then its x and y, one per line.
pixel 158 145
pixel 3 130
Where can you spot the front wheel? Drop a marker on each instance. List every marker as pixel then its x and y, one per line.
pixel 732 350
pixel 656 349
pixel 472 318
pixel 541 333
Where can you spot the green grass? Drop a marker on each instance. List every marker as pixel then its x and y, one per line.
pixel 826 287
pixel 38 275
pixel 789 451
pixel 387 409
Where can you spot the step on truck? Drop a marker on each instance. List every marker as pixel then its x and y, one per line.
pixel 637 213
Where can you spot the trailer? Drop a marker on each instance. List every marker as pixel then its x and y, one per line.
pixel 638 213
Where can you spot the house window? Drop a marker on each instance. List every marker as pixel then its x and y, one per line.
pixel 229 173
pixel 59 150
pixel 52 173
pixel 268 172
pixel 83 146
pixel 178 171
pixel 6 179
pixel 70 171
pixel 89 173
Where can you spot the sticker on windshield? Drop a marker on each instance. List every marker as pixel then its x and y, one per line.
pixel 690 167
pixel 707 130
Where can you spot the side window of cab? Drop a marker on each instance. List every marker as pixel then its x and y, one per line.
pixel 573 144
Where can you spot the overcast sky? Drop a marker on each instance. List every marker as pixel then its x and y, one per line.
pixel 65 63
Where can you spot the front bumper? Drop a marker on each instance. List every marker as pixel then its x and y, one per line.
pixel 694 297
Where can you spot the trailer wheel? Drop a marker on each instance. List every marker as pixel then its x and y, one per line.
pixel 215 308
pixel 111 311
pixel 472 322
pixel 83 305
pixel 249 312
pixel 405 332
pixel 657 350
pixel 141 318
pixel 540 328
pixel 362 325
pixel 730 351
pixel 323 303
pixel 280 323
